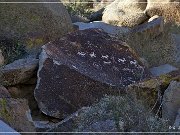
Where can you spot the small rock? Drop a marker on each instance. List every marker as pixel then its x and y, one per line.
pixel 114 30
pixel 97 16
pixel 42 126
pixel 171 101
pixel 4 92
pixel 16 113
pixel 1 58
pixel 6 129
pixel 80 68
pixel 163 69
pixel 153 27
pixel 77 18
pixel 19 71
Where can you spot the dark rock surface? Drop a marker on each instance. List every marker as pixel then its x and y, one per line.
pixel 77 70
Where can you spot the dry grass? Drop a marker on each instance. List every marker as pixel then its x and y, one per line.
pixel 12 49
pixel 128 114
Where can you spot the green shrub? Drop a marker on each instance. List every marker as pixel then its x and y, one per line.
pixel 78 7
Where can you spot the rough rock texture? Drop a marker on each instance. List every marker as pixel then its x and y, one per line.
pixel 170 9
pixel 162 69
pixel 157 50
pixel 114 30
pixel 176 38
pixel 77 18
pixel 24 91
pixel 4 92
pixel 171 101
pixel 177 120
pixel 153 28
pixel 125 12
pixel 80 68
pixel 1 58
pixel 35 24
pixel 150 91
pixel 16 113
pixel 19 71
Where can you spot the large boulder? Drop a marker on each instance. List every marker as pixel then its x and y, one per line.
pixel 171 101
pixel 18 72
pixel 170 9
pixel 34 24
pixel 125 12
pixel 155 46
pixel 79 69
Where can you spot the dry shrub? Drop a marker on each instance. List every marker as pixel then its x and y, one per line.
pixel 12 49
pixel 128 114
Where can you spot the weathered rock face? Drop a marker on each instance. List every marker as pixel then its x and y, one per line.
pixel 35 24
pixel 171 101
pixel 153 28
pixel 176 38
pixel 125 12
pixel 114 30
pixel 18 72
pixel 16 113
pixel 170 9
pixel 150 91
pixel 156 46
pixel 78 69
pixel 24 91
pixel 1 58
pixel 4 92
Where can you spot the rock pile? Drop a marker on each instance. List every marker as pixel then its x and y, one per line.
pixel 100 77
pixel 134 12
